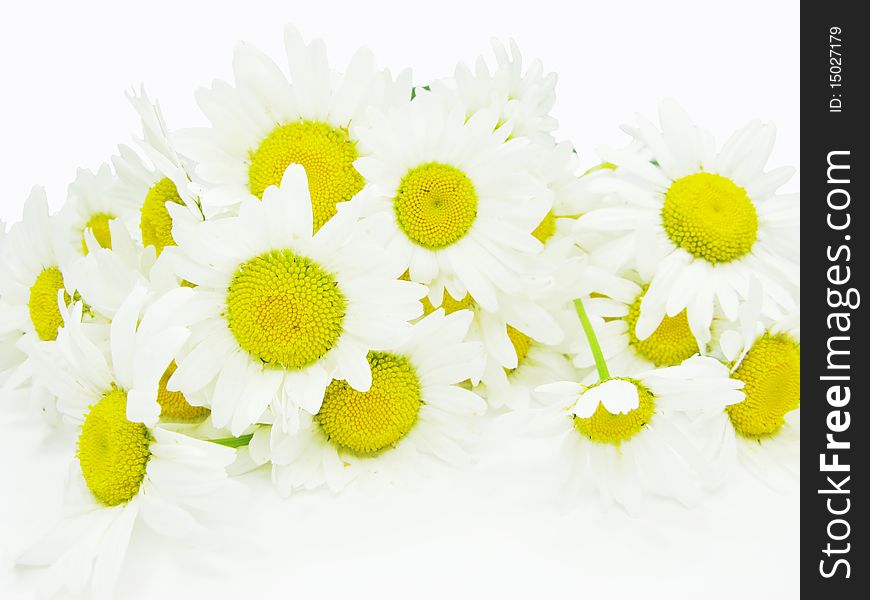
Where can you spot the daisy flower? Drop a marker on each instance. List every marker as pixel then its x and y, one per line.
pixel 90 206
pixel 538 332
pixel 30 279
pixel 523 333
pixel 281 311
pixel 107 277
pixel 537 363
pixel 621 436
pixel 267 121
pixel 451 198
pixel 125 472
pixel 415 406
pixel 558 167
pixel 614 305
pixel 762 433
pixel 145 186
pixel 523 97
pixel 698 224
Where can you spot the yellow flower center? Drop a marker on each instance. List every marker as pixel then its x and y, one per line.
pixel 546 228
pixel 710 217
pixel 113 451
pixel 326 153
pixel 771 372
pixel 43 307
pixel 605 427
pixel 99 226
pixel 435 205
pixel 155 222
pixel 521 343
pixel 670 344
pixel 173 405
pixel 449 304
pixel 285 309
pixel 366 423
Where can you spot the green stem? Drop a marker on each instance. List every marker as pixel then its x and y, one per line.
pixel 603 373
pixel 234 442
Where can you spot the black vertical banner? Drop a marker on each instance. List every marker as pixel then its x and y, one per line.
pixel 835 421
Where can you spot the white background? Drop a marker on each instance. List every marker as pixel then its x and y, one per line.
pixel 500 528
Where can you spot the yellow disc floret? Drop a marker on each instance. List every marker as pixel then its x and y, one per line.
pixel 710 217
pixel 155 222
pixel 43 307
pixel 366 423
pixel 670 344
pixel 173 405
pixel 326 153
pixel 448 303
pixel 771 372
pixel 546 228
pixel 285 309
pixel 99 227
pixel 521 343
pixel 112 451
pixel 435 205
pixel 605 427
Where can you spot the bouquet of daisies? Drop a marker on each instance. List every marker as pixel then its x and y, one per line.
pixel 345 270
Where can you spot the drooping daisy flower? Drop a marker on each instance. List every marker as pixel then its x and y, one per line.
pixel 451 198
pixel 523 97
pixel 415 406
pixel 698 224
pixel 614 310
pixel 624 430
pixel 266 122
pixel 30 279
pixel 282 312
pixel 763 432
pixel 125 472
pixel 146 188
pixel 620 435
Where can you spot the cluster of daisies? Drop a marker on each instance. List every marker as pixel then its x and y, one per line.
pixel 344 270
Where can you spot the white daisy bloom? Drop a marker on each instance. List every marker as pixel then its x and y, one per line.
pixel 523 97
pixel 30 278
pixel 558 167
pixel 614 310
pixel 699 224
pixel 536 364
pixel 762 433
pixel 107 278
pixel 125 472
pixel 90 207
pixel 282 312
pixel 526 344
pixel 267 121
pixel 415 406
pixel 451 198
pixel 621 435
pixel 145 186
pixel 523 333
